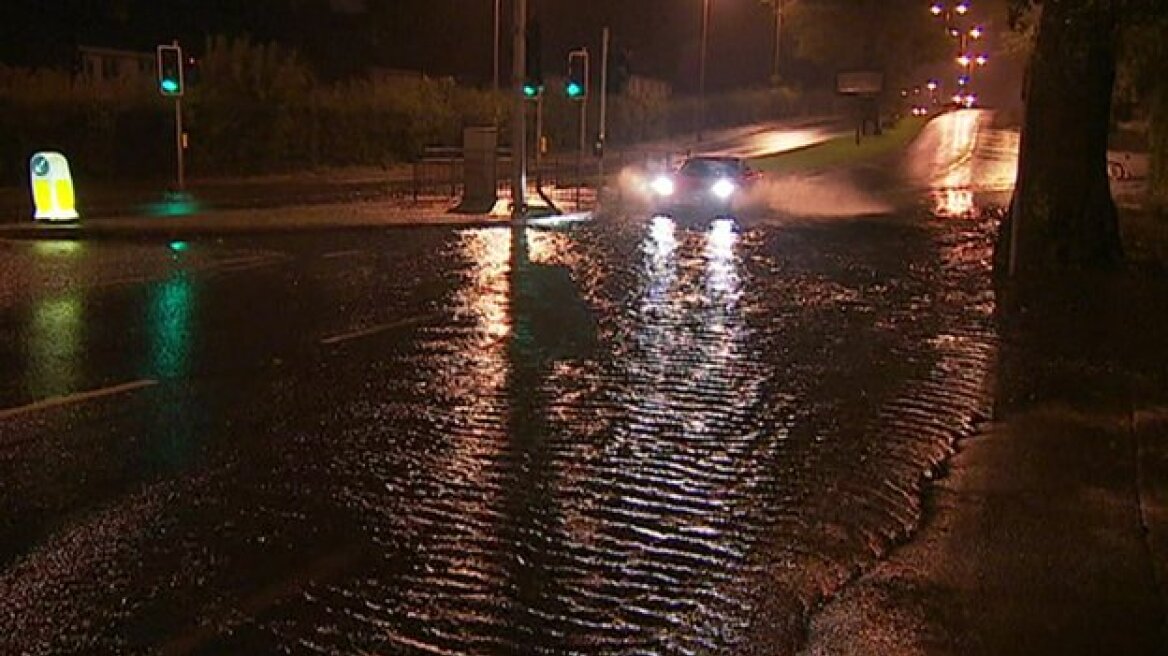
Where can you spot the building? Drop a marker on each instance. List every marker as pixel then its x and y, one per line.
pixel 110 66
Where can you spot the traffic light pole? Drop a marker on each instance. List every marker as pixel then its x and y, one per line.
pixel 178 143
pixel 601 132
pixel 519 115
pixel 583 133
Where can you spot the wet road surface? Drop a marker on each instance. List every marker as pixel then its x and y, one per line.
pixel 633 436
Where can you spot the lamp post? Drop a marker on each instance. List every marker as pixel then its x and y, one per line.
pixel 952 14
pixel 778 5
pixel 498 13
pixel 702 68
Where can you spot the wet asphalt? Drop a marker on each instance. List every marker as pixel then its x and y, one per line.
pixel 632 436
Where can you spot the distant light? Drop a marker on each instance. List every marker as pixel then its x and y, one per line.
pixel 530 90
pixel 962 8
pixel 936 9
pixel 932 85
pixel 976 32
pixel 964 60
pixel 981 60
pixel 963 80
pixel 179 246
pixel 169 85
pixel 574 89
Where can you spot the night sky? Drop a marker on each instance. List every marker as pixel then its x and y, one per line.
pixel 439 37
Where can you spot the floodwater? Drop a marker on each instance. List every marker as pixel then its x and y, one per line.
pixel 631 437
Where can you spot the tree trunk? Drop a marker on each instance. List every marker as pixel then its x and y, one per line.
pixel 1062 216
pixel 1158 132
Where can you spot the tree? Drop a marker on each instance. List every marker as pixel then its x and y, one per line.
pixel 1143 81
pixel 895 36
pixel 1062 216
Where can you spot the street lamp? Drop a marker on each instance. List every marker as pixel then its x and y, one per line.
pixel 498 13
pixel 702 67
pixel 778 5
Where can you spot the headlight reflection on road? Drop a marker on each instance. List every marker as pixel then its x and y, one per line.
pixel 723 272
pixel 662 240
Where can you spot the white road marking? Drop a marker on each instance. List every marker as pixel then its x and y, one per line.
pixel 80 397
pixel 376 330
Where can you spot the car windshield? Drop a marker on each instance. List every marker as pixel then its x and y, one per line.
pixel 710 168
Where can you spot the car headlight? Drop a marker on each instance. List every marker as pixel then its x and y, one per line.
pixel 723 189
pixel 662 186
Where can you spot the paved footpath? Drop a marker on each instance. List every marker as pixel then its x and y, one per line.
pixel 1050 533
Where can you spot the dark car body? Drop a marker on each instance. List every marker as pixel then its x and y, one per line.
pixel 704 185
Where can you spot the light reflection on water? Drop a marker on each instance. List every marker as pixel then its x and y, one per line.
pixel 171 310
pixel 54 345
pixel 761 407
pixel 965 162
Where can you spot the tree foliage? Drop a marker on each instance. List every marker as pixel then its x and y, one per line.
pixel 895 36
pixel 1143 82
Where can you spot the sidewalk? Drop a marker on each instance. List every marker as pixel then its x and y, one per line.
pixel 370 214
pixel 1050 534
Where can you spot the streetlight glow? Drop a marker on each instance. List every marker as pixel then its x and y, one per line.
pixel 981 60
pixel 964 60
pixel 936 9
pixel 976 32
pixel 962 8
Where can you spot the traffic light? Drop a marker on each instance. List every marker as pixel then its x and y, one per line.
pixel 576 86
pixel 170 70
pixel 533 63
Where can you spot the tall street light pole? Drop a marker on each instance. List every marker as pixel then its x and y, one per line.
pixel 702 68
pixel 778 4
pixel 498 8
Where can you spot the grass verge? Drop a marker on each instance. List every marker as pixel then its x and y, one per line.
pixel 844 150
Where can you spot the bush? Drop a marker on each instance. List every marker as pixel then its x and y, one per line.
pixel 257 108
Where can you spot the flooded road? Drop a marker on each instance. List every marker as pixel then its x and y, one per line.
pixel 627 437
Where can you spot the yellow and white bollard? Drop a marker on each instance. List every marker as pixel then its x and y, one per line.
pixel 52 188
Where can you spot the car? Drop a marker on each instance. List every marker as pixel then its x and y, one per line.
pixel 705 185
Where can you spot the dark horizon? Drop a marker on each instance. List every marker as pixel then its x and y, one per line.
pixel 437 37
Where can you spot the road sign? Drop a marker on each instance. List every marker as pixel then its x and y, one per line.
pixel 858 83
pixel 52 187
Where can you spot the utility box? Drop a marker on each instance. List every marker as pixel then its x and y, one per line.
pixel 480 174
pixel 52 188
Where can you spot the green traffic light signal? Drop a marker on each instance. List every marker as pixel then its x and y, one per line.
pixel 170 70
pixel 531 90
pixel 576 85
